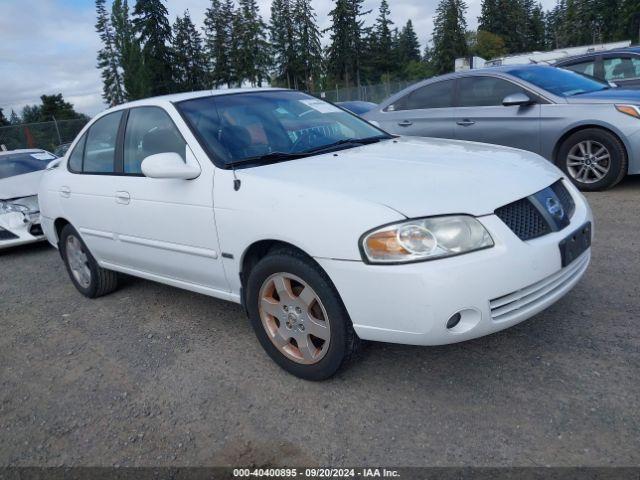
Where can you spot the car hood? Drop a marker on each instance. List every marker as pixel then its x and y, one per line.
pixel 419 176
pixel 612 95
pixel 20 186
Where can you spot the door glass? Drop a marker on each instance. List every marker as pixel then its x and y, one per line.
pixel 75 159
pixel 149 131
pixel 621 68
pixel 435 95
pixel 485 91
pixel 586 68
pixel 100 151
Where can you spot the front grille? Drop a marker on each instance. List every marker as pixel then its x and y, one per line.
pixel 528 220
pixel 523 219
pixel 509 306
pixel 7 235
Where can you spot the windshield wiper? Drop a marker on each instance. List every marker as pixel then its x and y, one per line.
pixel 283 156
pixel 347 141
pixel 269 157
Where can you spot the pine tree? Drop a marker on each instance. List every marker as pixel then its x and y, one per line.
pixel 3 120
pixel 346 41
pixel 219 19
pixel 382 45
pixel 629 22
pixel 189 66
pixel 449 30
pixel 128 52
pixel 281 34
pixel 253 56
pixel 108 62
pixel 151 24
pixel 14 119
pixel 308 64
pixel 408 44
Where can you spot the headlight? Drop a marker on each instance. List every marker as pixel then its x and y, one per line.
pixel 7 207
pixel 425 239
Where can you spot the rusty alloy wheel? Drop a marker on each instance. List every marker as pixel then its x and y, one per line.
pixel 294 318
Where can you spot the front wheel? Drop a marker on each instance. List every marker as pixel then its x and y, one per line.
pixel 298 316
pixel 593 159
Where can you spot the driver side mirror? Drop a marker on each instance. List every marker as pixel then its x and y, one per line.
pixel 168 165
pixel 517 99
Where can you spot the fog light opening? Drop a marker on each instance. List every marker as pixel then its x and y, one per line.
pixel 454 320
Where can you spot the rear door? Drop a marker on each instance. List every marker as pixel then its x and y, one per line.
pixel 86 196
pixel 426 111
pixel 481 116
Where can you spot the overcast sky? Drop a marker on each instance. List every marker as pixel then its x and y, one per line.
pixel 49 46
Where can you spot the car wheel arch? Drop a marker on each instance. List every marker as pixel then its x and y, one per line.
pixel 257 251
pixel 58 224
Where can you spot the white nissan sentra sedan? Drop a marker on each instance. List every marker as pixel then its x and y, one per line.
pixel 325 228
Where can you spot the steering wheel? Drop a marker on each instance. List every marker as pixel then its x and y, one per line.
pixel 309 139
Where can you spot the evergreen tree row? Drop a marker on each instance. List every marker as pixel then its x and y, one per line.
pixel 143 54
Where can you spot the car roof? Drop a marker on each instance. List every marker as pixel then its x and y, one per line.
pixel 505 69
pixel 179 97
pixel 21 150
pixel 635 49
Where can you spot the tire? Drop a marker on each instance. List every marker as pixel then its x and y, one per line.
pixel 87 276
pixel 297 316
pixel 593 159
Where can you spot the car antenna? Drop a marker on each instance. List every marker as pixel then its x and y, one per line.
pixel 236 181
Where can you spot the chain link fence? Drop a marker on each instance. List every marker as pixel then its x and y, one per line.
pixel 368 93
pixel 45 135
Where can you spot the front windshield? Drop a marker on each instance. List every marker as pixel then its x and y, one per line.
pixel 558 81
pixel 272 125
pixel 20 163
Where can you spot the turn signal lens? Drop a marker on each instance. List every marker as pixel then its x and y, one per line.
pixel 631 110
pixel 424 239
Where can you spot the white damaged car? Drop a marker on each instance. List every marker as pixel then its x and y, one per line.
pixel 324 227
pixel 20 175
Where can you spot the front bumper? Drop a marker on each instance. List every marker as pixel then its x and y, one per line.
pixel 19 229
pixel 493 288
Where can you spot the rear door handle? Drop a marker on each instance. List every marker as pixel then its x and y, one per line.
pixel 405 123
pixel 123 197
pixel 466 122
pixel 65 192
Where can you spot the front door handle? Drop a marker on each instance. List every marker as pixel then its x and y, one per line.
pixel 65 192
pixel 123 197
pixel 466 122
pixel 405 123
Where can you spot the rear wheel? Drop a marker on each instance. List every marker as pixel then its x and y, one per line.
pixel 88 277
pixel 593 159
pixel 298 316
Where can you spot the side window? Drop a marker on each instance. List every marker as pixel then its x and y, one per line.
pixel 434 95
pixel 150 130
pixel 585 68
pixel 75 159
pixel 100 150
pixel 485 91
pixel 621 68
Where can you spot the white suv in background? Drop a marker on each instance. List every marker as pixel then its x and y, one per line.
pixel 327 229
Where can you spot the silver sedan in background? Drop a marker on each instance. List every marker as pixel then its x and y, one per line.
pixel 589 129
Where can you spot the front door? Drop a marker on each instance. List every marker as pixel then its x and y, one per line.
pixel 166 227
pixel 481 117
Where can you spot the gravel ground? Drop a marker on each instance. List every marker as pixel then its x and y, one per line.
pixel 152 375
